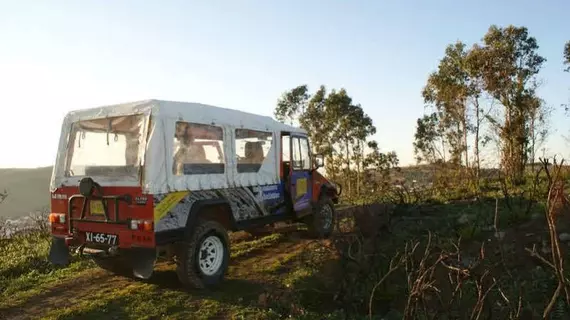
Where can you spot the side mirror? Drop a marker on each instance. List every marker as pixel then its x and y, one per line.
pixel 319 161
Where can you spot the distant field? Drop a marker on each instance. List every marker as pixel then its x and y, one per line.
pixel 28 191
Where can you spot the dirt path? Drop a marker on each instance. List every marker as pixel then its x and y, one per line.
pixel 247 268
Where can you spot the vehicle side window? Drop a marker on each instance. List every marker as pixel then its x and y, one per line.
pixel 198 149
pixel 285 146
pixel 301 154
pixel 305 154
pixel 251 149
pixel 297 159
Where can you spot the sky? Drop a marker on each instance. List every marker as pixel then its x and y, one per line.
pixel 57 56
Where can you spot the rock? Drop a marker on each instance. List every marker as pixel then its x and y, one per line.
pixel 564 237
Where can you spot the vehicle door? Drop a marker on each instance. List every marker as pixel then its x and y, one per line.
pixel 300 179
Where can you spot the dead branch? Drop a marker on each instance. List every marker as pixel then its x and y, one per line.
pixel 556 255
pixel 395 263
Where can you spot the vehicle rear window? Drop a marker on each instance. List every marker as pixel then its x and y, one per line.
pixel 105 147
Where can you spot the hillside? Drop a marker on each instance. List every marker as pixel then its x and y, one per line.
pixel 28 190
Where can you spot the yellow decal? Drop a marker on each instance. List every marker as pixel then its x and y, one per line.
pixel 301 187
pixel 169 202
pixel 96 208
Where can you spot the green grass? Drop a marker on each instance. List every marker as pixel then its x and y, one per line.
pixel 25 271
pixel 245 248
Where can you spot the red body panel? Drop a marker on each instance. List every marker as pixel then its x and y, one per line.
pixel 318 180
pixel 127 237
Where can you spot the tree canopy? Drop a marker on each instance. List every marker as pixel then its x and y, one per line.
pixel 469 81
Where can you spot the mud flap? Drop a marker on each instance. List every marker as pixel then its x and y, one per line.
pixel 142 260
pixel 58 252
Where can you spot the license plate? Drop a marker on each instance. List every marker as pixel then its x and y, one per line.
pixel 96 208
pixel 101 238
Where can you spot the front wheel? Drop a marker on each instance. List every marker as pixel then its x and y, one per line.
pixel 321 222
pixel 204 257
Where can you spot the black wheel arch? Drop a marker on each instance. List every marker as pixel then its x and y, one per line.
pixel 211 209
pixel 329 190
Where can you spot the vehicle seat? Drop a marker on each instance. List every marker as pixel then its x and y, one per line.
pixel 199 154
pixel 253 152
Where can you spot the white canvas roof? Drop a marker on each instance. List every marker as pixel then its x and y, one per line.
pixel 199 112
pixel 157 177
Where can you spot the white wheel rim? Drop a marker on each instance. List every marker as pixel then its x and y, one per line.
pixel 211 255
pixel 326 216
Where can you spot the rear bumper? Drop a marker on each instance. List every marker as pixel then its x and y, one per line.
pixel 126 238
pixel 140 259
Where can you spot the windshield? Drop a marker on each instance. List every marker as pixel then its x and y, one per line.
pixel 105 147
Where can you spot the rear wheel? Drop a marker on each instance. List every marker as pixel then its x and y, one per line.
pixel 321 222
pixel 204 257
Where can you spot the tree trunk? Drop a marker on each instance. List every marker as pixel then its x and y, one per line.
pixel 477 128
pixel 358 164
pixel 349 189
pixel 465 143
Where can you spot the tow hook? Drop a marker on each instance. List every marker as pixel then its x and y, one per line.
pixel 80 249
pixel 113 251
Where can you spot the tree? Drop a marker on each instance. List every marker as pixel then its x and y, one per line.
pixel 538 126
pixel 429 143
pixel 351 126
pixel 291 104
pixel 454 91
pixel 509 69
pixel 448 90
pixel 379 165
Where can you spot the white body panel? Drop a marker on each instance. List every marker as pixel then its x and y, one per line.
pixel 158 149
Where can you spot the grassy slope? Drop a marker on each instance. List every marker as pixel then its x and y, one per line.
pixel 28 190
pixel 31 288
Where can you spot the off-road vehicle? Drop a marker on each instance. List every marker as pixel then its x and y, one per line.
pixel 134 181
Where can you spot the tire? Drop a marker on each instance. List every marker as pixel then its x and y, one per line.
pixel 322 221
pixel 193 270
